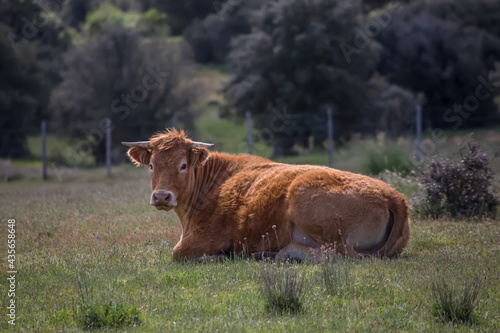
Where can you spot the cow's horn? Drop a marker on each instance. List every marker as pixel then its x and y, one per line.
pixel 202 144
pixel 144 144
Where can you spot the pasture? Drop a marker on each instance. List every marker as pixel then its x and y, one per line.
pixel 91 254
pixel 92 240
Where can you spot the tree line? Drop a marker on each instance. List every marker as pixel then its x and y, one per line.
pixel 76 62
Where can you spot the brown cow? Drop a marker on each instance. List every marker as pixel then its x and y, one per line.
pixel 248 204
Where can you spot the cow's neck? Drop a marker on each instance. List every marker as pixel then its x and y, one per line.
pixel 207 180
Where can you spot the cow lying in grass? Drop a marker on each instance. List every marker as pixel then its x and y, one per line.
pixel 247 204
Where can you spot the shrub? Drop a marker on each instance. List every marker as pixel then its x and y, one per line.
pixel 406 184
pixel 283 290
pixel 387 157
pixel 461 188
pixel 109 314
pixel 61 317
pixel 453 304
pixel 93 313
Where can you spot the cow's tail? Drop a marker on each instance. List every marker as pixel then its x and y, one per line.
pixel 398 228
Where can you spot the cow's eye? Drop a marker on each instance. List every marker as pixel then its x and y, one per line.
pixel 150 166
pixel 183 166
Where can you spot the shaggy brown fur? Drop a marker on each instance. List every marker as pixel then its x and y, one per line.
pixel 249 204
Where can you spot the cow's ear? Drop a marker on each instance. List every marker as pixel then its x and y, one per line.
pixel 198 156
pixel 139 155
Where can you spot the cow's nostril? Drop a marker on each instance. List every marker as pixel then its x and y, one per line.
pixel 162 198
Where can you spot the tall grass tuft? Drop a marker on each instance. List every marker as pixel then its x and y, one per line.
pixel 389 156
pixel 110 314
pixel 283 290
pixel 406 184
pixel 102 313
pixel 337 276
pixel 455 304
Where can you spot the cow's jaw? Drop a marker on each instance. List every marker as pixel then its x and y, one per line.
pixel 165 208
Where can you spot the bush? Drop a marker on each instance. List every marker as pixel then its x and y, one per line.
pixel 461 188
pixel 283 290
pixel 93 313
pixel 453 304
pixel 406 184
pixel 62 317
pixel 108 314
pixel 390 157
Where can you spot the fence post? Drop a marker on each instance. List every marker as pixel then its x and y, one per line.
pixel 418 122
pixel 108 146
pixel 248 116
pixel 330 137
pixel 44 149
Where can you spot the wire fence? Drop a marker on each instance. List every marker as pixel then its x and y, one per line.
pixel 111 152
pixel 250 140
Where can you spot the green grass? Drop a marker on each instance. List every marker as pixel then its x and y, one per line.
pixel 53 144
pixel 387 156
pixel 107 314
pixel 456 304
pixel 283 289
pixel 226 136
pixel 82 227
pixel 104 232
pixel 339 282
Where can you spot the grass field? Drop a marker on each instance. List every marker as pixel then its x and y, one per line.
pixel 84 240
pixel 91 240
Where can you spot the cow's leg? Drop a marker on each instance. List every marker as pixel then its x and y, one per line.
pixel 294 251
pixel 302 242
pixel 305 253
pixel 259 256
pixel 347 251
pixel 212 258
pixel 192 247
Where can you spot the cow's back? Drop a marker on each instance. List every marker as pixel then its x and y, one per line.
pixel 264 198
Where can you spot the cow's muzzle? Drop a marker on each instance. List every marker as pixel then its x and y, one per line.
pixel 162 199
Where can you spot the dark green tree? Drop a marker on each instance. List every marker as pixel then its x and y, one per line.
pixel 300 57
pixel 73 12
pixel 444 61
pixel 377 4
pixel 476 14
pixel 22 95
pixel 210 37
pixel 182 13
pixel 139 83
pixel 390 108
pixel 31 44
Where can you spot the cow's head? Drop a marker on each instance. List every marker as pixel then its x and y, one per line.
pixel 171 158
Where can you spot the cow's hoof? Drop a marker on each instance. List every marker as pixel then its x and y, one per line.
pixel 260 256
